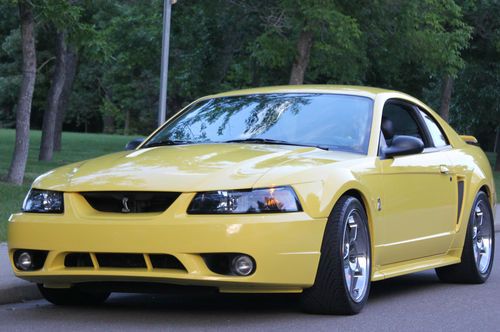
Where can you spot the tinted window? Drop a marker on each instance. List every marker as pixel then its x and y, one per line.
pixel 436 133
pixel 340 122
pixel 403 122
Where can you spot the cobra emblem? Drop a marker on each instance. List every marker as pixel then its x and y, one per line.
pixel 125 205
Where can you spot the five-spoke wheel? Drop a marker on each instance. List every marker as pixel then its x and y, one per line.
pixel 356 256
pixel 342 282
pixel 479 246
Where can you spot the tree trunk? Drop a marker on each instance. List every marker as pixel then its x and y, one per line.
pixel 108 124
pixel 447 89
pixel 71 66
pixel 53 99
pixel 126 129
pixel 302 60
pixel 18 164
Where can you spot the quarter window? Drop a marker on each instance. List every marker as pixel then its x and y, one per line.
pixel 436 132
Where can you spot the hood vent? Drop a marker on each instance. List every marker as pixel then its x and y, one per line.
pixel 130 202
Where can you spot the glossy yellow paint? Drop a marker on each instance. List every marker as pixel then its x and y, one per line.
pixel 411 205
pixel 469 139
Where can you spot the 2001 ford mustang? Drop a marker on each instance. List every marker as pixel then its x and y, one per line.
pixel 318 190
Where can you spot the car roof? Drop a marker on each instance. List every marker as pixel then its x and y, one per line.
pixel 338 89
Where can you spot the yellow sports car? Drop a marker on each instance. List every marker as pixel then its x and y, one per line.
pixel 318 190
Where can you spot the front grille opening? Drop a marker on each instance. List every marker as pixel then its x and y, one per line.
pixel 78 259
pixel 162 261
pixel 121 260
pixel 130 202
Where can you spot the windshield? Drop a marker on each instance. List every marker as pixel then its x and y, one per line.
pixel 331 121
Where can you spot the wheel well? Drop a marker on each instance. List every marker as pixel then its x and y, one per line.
pixel 358 195
pixel 361 198
pixel 486 190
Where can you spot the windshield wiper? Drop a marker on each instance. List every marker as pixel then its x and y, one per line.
pixel 272 141
pixel 166 142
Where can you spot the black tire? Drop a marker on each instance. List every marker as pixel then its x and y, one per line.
pixel 72 296
pixel 467 270
pixel 330 294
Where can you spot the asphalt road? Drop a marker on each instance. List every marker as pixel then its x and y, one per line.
pixel 418 302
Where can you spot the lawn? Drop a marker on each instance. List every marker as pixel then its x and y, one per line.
pixel 76 147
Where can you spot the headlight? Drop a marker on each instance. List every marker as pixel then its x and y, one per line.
pixel 43 201
pixel 268 200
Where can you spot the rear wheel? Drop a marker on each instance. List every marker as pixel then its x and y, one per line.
pixel 72 296
pixel 342 282
pixel 479 247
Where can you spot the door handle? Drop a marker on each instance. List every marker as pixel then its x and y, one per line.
pixel 443 169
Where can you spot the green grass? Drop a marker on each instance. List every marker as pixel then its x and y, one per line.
pixel 75 147
pixel 492 157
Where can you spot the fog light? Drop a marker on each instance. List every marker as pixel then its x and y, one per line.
pixel 24 261
pixel 243 265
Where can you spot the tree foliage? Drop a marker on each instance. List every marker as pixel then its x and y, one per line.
pixel 230 44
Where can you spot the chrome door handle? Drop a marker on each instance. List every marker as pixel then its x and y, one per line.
pixel 443 169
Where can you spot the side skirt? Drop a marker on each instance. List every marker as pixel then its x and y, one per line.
pixel 421 264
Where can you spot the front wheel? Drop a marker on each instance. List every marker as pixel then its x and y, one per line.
pixel 479 247
pixel 342 281
pixel 72 296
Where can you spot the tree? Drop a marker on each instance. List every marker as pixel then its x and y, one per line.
pixel 71 61
pixel 64 16
pixel 53 99
pixel 476 109
pixel 301 62
pixel 314 41
pixel 447 89
pixel 18 164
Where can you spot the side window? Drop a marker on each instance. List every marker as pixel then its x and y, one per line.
pixel 401 121
pixel 436 133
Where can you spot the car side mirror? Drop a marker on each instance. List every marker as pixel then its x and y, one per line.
pixel 404 145
pixel 133 144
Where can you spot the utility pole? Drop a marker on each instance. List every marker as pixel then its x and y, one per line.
pixel 165 45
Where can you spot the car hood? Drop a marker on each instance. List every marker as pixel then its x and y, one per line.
pixel 185 168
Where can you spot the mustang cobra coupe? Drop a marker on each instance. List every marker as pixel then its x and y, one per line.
pixel 318 190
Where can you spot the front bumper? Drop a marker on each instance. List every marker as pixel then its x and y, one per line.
pixel 286 247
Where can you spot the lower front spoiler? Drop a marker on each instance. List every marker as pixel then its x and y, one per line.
pixel 275 274
pixel 144 288
pixel 144 282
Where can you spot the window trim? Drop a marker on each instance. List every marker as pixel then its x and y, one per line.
pixel 420 109
pixel 410 108
pixel 414 111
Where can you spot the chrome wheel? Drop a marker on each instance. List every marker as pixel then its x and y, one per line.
pixel 356 256
pixel 482 237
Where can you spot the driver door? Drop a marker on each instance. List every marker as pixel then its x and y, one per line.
pixel 417 198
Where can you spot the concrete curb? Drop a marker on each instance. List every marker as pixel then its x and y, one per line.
pixel 12 289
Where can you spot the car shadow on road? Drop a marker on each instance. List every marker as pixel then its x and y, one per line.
pixel 400 287
pixel 390 289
